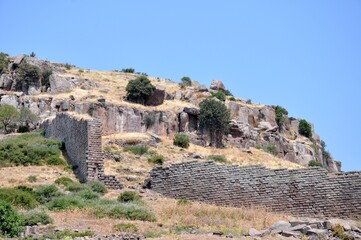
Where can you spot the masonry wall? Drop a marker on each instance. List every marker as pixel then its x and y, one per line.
pixel 83 144
pixel 311 192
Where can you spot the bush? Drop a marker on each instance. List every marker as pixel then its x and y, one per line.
pixel 66 202
pixel 314 163
pixel 65 181
pixel 128 70
pixel 32 178
pixel 181 140
pixel 183 201
pixel 214 117
pixel 9 116
pixel 28 149
pixel 67 234
pixel 67 66
pixel 27 74
pixel 149 121
pixel 304 128
pixel 269 148
pixel 280 113
pixel 45 77
pixel 46 193
pixel 218 158
pixel 156 159
pixel 219 95
pixel 137 150
pixel 18 197
pixel 339 232
pixel 126 227
pixel 249 101
pixel 87 194
pixel 4 62
pixel 232 99
pixel 55 161
pixel 76 187
pixel 139 89
pixel 36 216
pixel 97 187
pixel 11 223
pixel 128 196
pixel 228 93
pixel 185 81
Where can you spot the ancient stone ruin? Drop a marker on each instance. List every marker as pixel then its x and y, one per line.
pixel 82 138
pixel 302 192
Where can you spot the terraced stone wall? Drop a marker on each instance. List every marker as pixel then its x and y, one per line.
pixel 303 192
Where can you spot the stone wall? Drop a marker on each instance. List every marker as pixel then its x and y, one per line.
pixel 83 144
pixel 311 192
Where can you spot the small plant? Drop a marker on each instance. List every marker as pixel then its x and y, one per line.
pixel 218 158
pixel 97 187
pixel 55 161
pixel 314 163
pixel 281 115
pixel 149 121
pixel 304 128
pixel 81 71
pixel 128 70
pixel 32 178
pixel 269 148
pixel 67 66
pixel 64 181
pixel 33 217
pixel 128 196
pixel 126 227
pixel 11 223
pixel 339 231
pixel 181 140
pixel 137 150
pixel 156 159
pixel 219 95
pixel 232 99
pixel 183 201
pixel 46 193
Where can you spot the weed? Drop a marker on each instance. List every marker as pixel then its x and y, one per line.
pixel 181 140
pixel 97 187
pixel 35 216
pixel 126 227
pixel 184 201
pixel 64 181
pixel 32 178
pixel 156 159
pixel 218 158
pixel 18 197
pixel 128 196
pixel 137 150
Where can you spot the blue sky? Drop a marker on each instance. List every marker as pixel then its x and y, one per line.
pixel 302 55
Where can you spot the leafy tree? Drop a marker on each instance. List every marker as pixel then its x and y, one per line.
pixel 11 223
pixel 304 128
pixel 185 81
pixel 27 74
pixel 219 95
pixel 281 114
pixel 45 77
pixel 139 89
pixel 228 93
pixel 214 117
pixel 32 54
pixel 181 140
pixel 4 62
pixel 8 117
pixel 27 118
pixel 128 70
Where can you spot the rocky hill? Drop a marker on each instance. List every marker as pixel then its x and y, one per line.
pixel 171 109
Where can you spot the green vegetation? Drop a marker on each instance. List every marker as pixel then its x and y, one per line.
pixel 232 99
pixel 137 150
pixel 32 54
pixel 184 201
pixel 218 158
pixel 8 117
pixel 32 178
pixel 30 149
pixel 214 117
pixel 281 115
pixel 67 66
pixel 65 181
pixel 4 62
pixel 325 154
pixel 219 95
pixel 35 216
pixel 149 121
pixel 128 70
pixel 126 227
pixel 339 231
pixel 228 93
pixel 181 140
pixel 18 197
pixel 269 148
pixel 97 187
pixel 66 202
pixel 249 101
pixel 46 193
pixel 67 234
pixel 27 118
pixel 314 163
pixel 304 128
pixel 156 159
pixel 185 82
pixel 139 89
pixel 128 196
pixel 11 223
pixel 45 81
pixel 27 74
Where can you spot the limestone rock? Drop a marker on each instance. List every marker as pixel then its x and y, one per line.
pixel 157 98
pixel 254 232
pixel 10 100
pixel 217 85
pixel 6 82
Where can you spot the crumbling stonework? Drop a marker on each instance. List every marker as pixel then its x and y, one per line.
pixel 311 191
pixel 83 144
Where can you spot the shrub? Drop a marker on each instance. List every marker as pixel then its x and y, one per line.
pixel 76 187
pixel 64 181
pixel 269 148
pixel 97 187
pixel 126 227
pixel 185 81
pixel 139 89
pixel 33 217
pixel 339 231
pixel 137 150
pixel 149 121
pixel 218 158
pixel 232 99
pixel 11 223
pixel 66 202
pixel 181 140
pixel 32 178
pixel 18 197
pixel 249 101
pixel 45 77
pixel 8 117
pixel 128 196
pixel 128 70
pixel 87 194
pixel 214 117
pixel 228 93
pixel 280 113
pixel 67 66
pixel 46 193
pixel 183 201
pixel 67 234
pixel 314 163
pixel 304 128
pixel 26 118
pixel 156 159
pixel 4 62
pixel 32 54
pixel 55 161
pixel 219 95
pixel 27 74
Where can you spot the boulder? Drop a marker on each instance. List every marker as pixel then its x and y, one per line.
pixel 254 232
pixel 6 82
pixel 192 111
pixel 217 85
pixel 264 125
pixel 178 95
pixel 60 84
pixel 10 100
pixel 282 225
pixel 18 59
pixel 199 87
pixel 157 98
pixel 268 115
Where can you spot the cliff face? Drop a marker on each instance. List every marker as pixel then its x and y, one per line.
pixel 101 94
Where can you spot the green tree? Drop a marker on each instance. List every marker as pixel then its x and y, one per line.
pixel 26 119
pixel 281 115
pixel 8 117
pixel 139 89
pixel 11 223
pixel 27 75
pixel 220 95
pixel 185 81
pixel 304 128
pixel 4 62
pixel 214 118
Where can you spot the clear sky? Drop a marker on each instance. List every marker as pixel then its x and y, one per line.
pixel 302 55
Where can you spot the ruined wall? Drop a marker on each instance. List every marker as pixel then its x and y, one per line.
pixel 311 192
pixel 83 144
